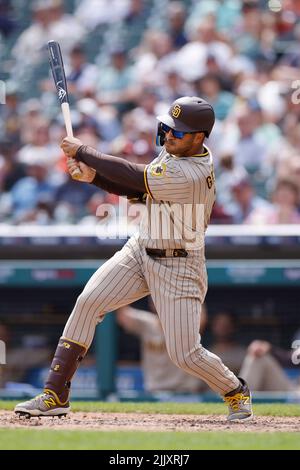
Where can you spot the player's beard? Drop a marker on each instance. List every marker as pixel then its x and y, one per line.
pixel 171 146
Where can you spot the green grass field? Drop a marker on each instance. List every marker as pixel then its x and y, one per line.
pixel 94 440
pixel 270 409
pixel 131 440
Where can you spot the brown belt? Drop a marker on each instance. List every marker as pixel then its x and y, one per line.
pixel 176 253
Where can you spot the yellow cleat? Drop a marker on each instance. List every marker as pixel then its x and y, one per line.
pixel 239 403
pixel 46 404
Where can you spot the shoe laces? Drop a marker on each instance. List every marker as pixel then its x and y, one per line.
pixel 42 396
pixel 235 401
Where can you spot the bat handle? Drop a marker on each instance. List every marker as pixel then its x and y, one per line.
pixel 68 123
pixel 76 174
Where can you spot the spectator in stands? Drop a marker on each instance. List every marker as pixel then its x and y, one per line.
pixel 134 24
pixel 290 170
pixel 92 13
pixel 192 58
pixel 289 142
pixel 247 34
pixel 137 141
pixel 264 364
pixel 8 22
pixel 10 170
pixel 31 116
pixel 73 198
pixel 224 343
pixel 227 13
pixel 82 76
pixel 160 374
pixel 143 147
pixel 176 17
pixel 249 151
pixel 39 147
pixel 88 122
pixel 33 352
pixel 246 201
pixel 154 57
pixel 116 80
pixel 239 55
pixel 10 122
pixel 49 21
pixel 261 364
pixel 267 130
pixel 209 86
pixel 132 125
pixel 228 174
pixel 285 208
pixel 173 86
pixel 287 19
pixel 92 206
pixel 146 107
pixel 100 121
pixel 29 192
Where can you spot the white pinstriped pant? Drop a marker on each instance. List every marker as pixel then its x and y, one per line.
pixel 178 287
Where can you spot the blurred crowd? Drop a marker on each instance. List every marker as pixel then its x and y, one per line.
pixel 126 61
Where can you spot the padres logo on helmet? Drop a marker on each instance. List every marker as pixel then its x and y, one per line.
pixel 176 111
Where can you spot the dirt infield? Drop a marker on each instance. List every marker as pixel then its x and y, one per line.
pixel 151 422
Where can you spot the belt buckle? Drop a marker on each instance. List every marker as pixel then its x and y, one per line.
pixel 180 252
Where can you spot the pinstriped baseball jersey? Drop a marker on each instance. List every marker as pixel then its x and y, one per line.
pixel 181 195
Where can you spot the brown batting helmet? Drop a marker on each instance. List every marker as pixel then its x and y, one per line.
pixel 190 114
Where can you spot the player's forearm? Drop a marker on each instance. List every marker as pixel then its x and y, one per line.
pixel 115 188
pixel 115 169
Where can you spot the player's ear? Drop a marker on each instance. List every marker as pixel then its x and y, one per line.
pixel 199 138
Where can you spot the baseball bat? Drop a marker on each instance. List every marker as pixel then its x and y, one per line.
pixel 59 77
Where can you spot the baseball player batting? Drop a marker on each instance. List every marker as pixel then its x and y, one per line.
pixel 160 260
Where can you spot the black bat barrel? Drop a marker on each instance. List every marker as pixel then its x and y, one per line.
pixel 58 71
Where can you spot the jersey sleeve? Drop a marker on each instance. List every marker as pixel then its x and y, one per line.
pixel 167 181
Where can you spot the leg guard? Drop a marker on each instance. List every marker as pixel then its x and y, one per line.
pixel 67 359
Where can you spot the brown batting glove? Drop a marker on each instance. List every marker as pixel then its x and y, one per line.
pixel 87 174
pixel 70 145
